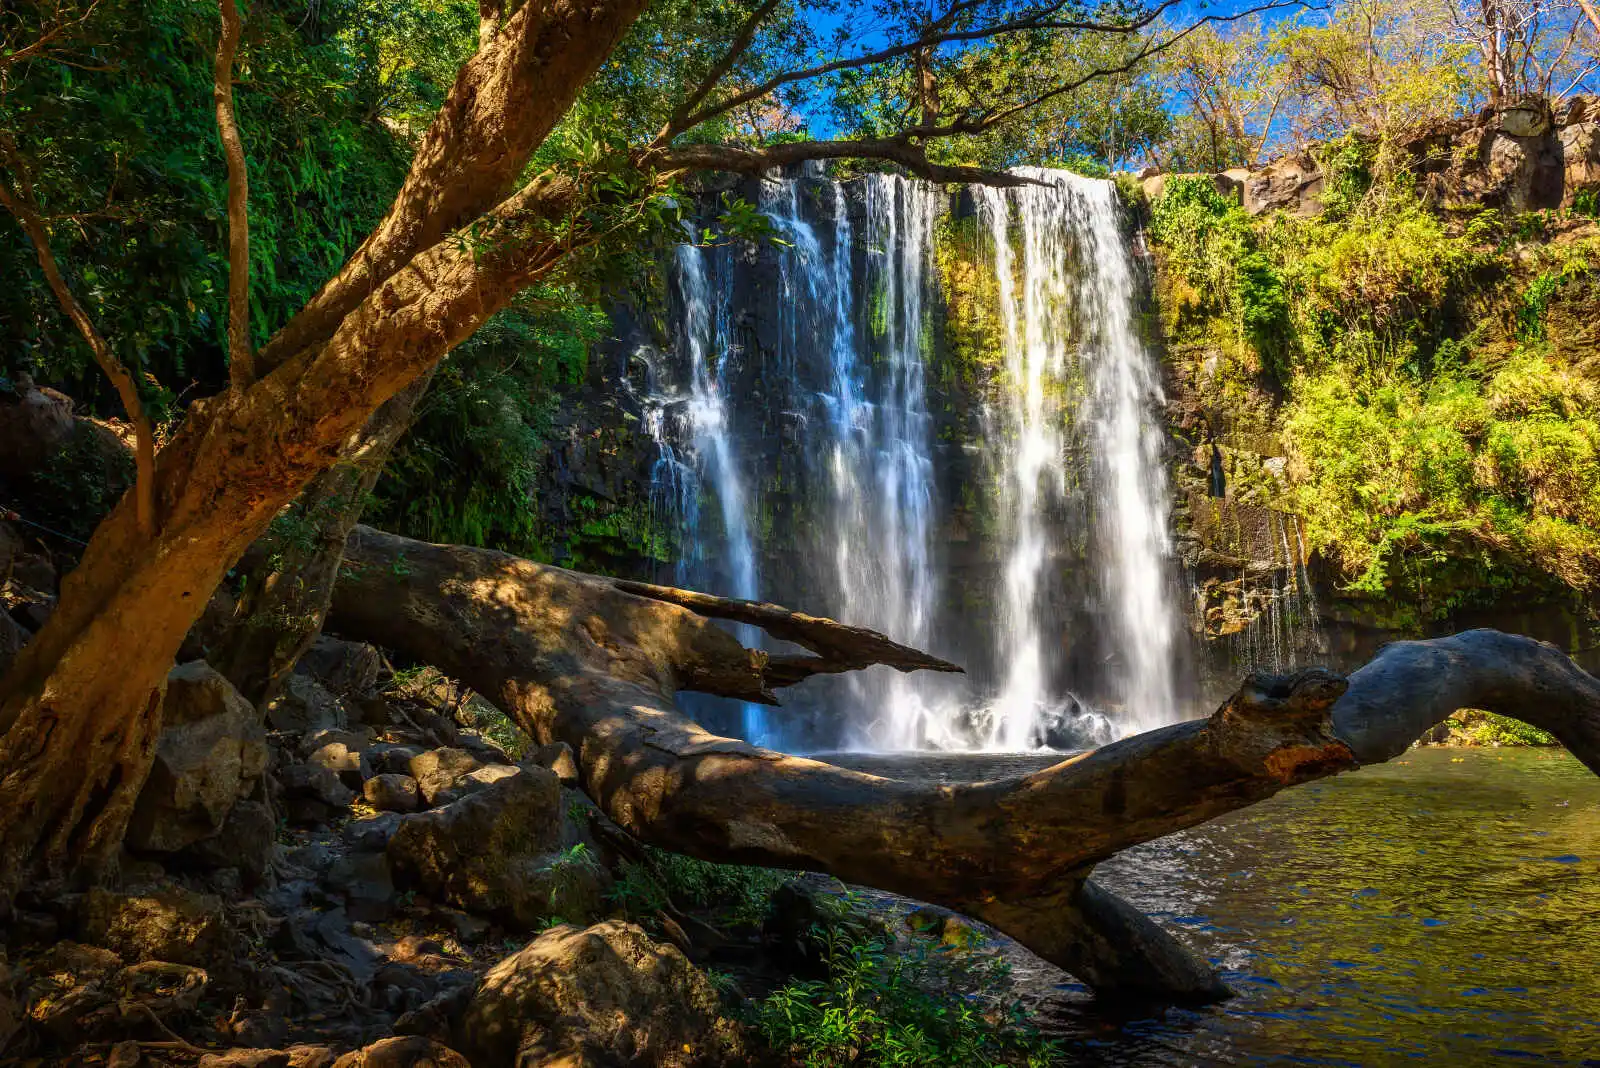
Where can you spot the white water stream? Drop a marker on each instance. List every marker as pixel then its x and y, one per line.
pixel 1072 416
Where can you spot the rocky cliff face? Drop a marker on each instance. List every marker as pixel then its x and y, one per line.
pixel 1259 594
pixel 1526 157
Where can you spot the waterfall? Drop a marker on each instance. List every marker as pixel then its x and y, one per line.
pixel 870 434
pixel 1067 326
pixel 708 343
pixel 1054 587
pixel 884 466
pixel 1126 392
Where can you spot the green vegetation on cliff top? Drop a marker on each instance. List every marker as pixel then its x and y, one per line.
pixel 1440 412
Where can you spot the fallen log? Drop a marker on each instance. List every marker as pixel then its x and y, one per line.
pixel 595 662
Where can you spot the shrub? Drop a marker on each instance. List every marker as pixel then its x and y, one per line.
pixel 1211 243
pixel 889 1004
pixel 735 893
pixel 1475 727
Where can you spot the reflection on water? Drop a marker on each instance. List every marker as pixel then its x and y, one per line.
pixel 1441 909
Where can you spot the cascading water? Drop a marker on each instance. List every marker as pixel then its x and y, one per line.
pixel 1126 395
pixel 1067 331
pixel 868 424
pixel 839 328
pixel 706 338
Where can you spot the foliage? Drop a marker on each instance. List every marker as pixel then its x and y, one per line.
pixel 1444 447
pixel 80 484
pixel 122 151
pixel 465 472
pixel 1212 244
pixel 882 1003
pixel 1476 727
pixel 734 893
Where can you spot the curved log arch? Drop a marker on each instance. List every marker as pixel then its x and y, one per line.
pixel 595 662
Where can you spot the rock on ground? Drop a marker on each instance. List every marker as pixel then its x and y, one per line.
pixel 305 706
pixel 605 994
pixel 34 425
pixel 349 670
pixel 393 793
pixel 11 1013
pixel 502 851
pixel 245 842
pixel 405 1052
pixel 211 753
pixel 439 770
pixel 171 925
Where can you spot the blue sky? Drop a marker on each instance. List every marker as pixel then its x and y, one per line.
pixel 1189 9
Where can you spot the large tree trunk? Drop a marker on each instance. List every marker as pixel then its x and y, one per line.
pixel 595 662
pixel 291 570
pixel 80 707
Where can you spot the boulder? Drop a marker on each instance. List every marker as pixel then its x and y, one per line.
pixel 246 1058
pixel 350 765
pixel 371 835
pixel 557 756
pixel 11 1004
pixel 305 706
pixel 246 842
pixel 211 753
pixel 500 852
pixel 1580 155
pixel 172 925
pixel 12 545
pixel 1528 117
pixel 393 793
pixel 28 605
pixel 472 782
pixel 1293 184
pixel 306 1056
pixel 309 781
pixel 355 739
pixel 1502 170
pixel 486 751
pixel 439 1017
pixel 362 879
pixel 208 633
pixel 387 758
pixel 348 670
pixel 440 769
pixel 37 577
pixel 404 1052
pixel 35 424
pixel 13 636
pixel 605 994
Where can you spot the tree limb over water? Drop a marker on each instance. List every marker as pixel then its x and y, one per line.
pixel 595 662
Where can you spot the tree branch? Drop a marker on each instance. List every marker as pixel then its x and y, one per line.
pixel 677 123
pixel 19 202
pixel 588 661
pixel 1153 48
pixel 913 157
pixel 241 369
pixel 1593 12
pixel 490 15
pixel 41 45
pixel 505 101
pixel 936 34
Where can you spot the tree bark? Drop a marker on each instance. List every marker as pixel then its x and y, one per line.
pixel 504 103
pixel 595 662
pixel 290 571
